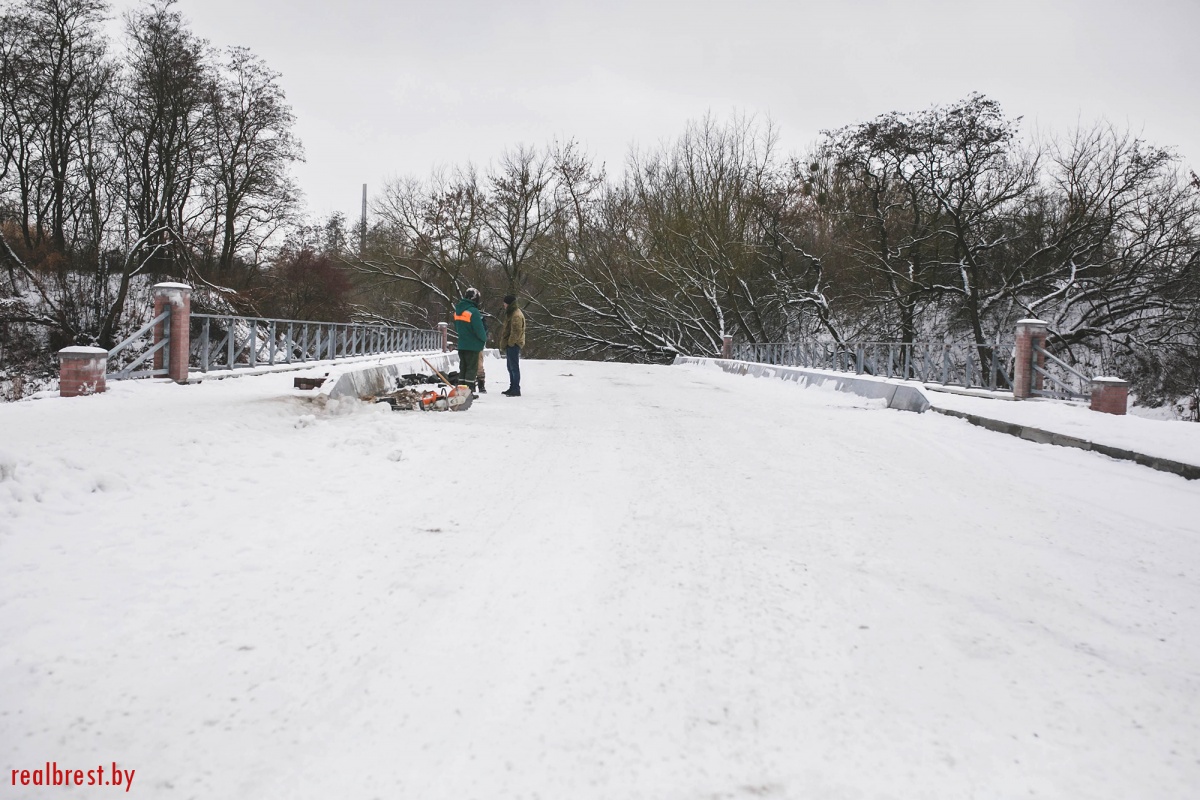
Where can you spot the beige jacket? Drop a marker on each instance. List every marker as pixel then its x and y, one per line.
pixel 512 333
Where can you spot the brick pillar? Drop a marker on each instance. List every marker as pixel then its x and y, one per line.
pixel 81 370
pixel 1030 332
pixel 444 328
pixel 1110 395
pixel 179 297
pixel 726 346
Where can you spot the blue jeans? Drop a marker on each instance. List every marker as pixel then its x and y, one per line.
pixel 513 356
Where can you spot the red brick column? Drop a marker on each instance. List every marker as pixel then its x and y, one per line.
pixel 179 297
pixel 1110 395
pixel 444 327
pixel 81 371
pixel 726 346
pixel 1030 332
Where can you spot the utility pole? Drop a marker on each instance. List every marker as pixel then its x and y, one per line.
pixel 362 233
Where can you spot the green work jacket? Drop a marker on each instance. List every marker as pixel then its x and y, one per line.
pixel 468 324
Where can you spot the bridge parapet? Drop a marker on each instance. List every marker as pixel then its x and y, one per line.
pixel 84 370
pixel 175 341
pixel 1023 367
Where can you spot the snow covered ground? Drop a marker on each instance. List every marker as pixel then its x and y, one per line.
pixel 1162 437
pixel 632 582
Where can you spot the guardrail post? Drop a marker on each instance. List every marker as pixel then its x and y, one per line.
pixel 444 329
pixel 1031 334
pixel 726 346
pixel 179 297
pixel 1110 395
pixel 81 371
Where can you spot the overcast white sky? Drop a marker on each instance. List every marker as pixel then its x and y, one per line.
pixel 386 87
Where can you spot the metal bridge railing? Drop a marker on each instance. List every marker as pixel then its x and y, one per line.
pixel 1071 385
pixel 229 342
pixel 983 366
pixel 126 357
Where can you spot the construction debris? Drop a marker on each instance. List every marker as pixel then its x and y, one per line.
pixel 403 400
pixel 429 396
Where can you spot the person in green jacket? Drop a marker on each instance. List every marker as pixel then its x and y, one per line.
pixel 468 324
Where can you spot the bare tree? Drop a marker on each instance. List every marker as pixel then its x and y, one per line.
pixel 70 52
pixel 427 245
pixel 792 232
pixel 164 119
pixel 1118 243
pixel 704 238
pixel 252 196
pixel 885 228
pixel 521 209
pixel 161 116
pixel 21 114
pixel 56 81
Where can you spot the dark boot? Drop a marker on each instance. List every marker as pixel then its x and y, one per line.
pixel 482 390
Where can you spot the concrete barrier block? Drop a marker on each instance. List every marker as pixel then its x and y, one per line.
pixel 895 393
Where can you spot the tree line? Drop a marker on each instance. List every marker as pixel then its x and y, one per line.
pixel 154 155
pixel 940 224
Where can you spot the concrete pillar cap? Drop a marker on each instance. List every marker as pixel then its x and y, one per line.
pixel 168 286
pixel 1111 381
pixel 443 324
pixel 1031 322
pixel 82 351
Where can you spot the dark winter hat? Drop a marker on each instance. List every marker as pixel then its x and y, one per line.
pixel 471 294
pixel 509 299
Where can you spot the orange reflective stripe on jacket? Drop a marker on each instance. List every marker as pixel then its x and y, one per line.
pixel 465 316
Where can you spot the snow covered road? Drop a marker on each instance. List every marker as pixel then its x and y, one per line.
pixel 633 582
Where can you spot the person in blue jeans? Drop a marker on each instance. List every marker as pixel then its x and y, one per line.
pixel 512 339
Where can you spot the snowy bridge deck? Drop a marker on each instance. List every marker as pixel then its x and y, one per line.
pixel 633 582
